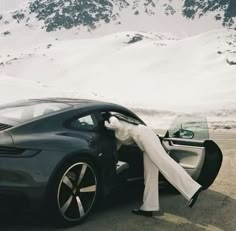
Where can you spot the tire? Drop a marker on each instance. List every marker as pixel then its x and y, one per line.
pixel 74 192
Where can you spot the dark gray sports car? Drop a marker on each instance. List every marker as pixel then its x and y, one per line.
pixel 56 152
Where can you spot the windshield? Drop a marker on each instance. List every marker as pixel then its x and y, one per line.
pixel 32 110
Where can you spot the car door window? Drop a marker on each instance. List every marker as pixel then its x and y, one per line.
pixel 189 127
pixel 87 122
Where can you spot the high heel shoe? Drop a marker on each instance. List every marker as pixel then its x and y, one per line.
pixel 194 198
pixel 142 212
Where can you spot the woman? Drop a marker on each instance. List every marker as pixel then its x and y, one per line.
pixel 155 160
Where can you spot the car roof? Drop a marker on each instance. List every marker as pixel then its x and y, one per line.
pixel 75 102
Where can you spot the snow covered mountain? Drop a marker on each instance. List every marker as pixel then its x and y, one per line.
pixel 128 14
pixel 154 74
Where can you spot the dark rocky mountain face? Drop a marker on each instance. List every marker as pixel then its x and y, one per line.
pixel 68 13
pixel 57 14
pixel 226 9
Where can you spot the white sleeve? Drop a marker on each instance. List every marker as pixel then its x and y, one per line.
pixel 113 123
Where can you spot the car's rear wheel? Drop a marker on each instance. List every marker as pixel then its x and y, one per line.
pixel 75 191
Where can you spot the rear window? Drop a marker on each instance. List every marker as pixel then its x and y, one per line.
pixel 29 111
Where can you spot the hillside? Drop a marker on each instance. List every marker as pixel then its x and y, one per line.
pixel 144 71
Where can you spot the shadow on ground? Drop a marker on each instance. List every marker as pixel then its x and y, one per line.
pixel 213 211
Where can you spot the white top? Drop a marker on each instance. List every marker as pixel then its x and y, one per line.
pixel 122 129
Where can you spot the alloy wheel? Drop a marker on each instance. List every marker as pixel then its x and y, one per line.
pixel 77 191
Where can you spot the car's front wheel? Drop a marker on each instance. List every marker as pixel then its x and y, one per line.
pixel 74 192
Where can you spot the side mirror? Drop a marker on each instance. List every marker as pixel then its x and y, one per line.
pixel 185 134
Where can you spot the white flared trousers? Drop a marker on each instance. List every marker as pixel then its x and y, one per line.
pixel 156 159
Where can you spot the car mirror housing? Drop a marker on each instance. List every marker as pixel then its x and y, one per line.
pixel 186 134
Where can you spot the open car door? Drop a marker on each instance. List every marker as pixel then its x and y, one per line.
pixel 187 142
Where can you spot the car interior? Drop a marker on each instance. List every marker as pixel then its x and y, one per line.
pixel 183 142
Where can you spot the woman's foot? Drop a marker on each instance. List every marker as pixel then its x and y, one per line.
pixel 194 198
pixel 142 212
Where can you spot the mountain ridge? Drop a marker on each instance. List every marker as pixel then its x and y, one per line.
pixel 92 14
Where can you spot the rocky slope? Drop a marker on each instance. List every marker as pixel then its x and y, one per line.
pixel 59 14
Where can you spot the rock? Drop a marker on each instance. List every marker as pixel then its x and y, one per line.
pixel 6 33
pixel 17 15
pixel 231 62
pixel 135 39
